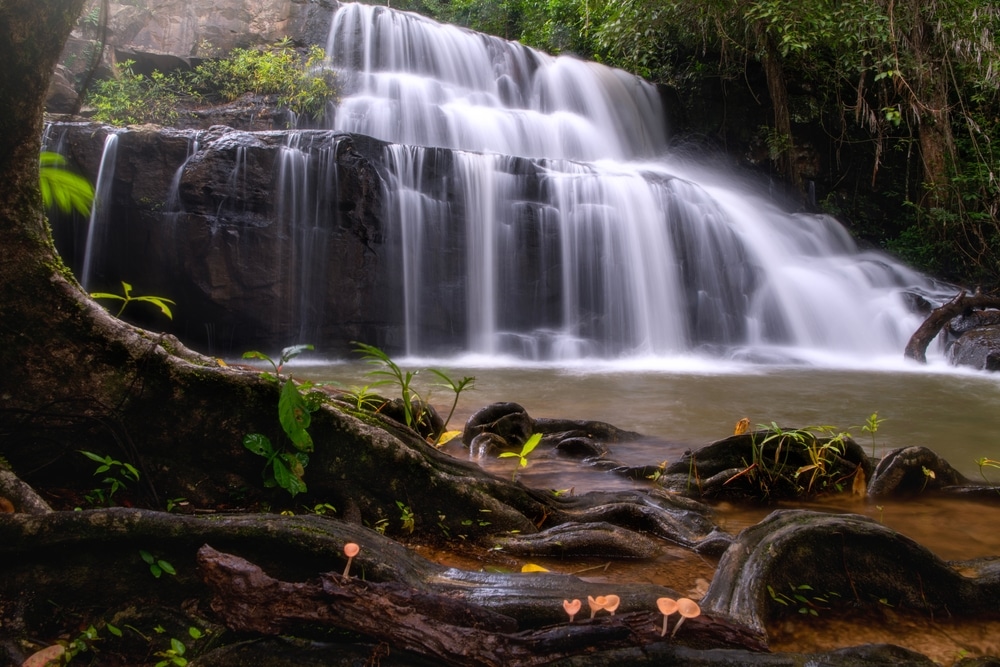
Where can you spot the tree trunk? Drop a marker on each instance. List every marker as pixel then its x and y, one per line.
pixel 783 147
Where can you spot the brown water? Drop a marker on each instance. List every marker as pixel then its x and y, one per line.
pixel 955 414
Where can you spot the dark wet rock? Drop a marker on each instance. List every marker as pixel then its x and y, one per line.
pixel 910 470
pixel 222 252
pixel 670 517
pixel 596 538
pixel 509 421
pixel 579 447
pixel 488 444
pixel 977 348
pixel 849 556
pixel 766 466
pixel 594 430
pixel 973 320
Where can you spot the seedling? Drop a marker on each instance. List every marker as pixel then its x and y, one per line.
pixel 126 298
pixel 522 456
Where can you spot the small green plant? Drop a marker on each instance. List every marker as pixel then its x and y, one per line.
pixel 388 372
pixel 391 373
pixel 157 566
pixel 456 388
pixel 118 475
pixel 175 655
pixel 126 298
pixel 406 516
pixel 321 509
pixel 803 598
pixel 61 188
pixel 174 503
pixel 984 463
pixel 522 456
pixel 285 467
pixel 871 426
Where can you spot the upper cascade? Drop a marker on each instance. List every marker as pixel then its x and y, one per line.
pixel 410 80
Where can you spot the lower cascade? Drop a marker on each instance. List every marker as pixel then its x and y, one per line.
pixel 529 206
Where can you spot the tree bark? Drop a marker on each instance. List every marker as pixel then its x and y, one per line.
pixel 431 624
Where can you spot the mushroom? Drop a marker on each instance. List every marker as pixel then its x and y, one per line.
pixel 607 602
pixel 687 608
pixel 666 606
pixel 611 603
pixel 350 550
pixel 571 607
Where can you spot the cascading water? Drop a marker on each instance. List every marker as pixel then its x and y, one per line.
pixel 97 225
pixel 556 226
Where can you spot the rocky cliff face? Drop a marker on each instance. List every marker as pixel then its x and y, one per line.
pixel 249 261
pixel 164 34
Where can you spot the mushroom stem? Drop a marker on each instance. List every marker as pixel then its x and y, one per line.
pixel 677 627
pixel 350 550
pixel 666 618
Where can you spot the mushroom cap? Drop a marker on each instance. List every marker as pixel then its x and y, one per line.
pixel 688 608
pixel 666 606
pixel 611 602
pixel 572 606
pixel 351 549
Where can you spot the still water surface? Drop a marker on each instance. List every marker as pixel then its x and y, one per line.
pixel 688 404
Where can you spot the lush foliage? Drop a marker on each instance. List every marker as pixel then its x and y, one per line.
pixel 297 81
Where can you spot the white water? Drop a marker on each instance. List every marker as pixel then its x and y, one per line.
pixel 559 227
pixel 98 222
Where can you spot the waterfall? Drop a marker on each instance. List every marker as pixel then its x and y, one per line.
pixel 536 211
pixel 97 225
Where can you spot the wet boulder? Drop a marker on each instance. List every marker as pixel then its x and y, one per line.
pixel 909 470
pixel 508 421
pixel 977 348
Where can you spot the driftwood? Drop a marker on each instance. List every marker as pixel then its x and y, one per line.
pixel 916 347
pixel 437 625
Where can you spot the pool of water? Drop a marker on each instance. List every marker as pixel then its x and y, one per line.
pixel 688 404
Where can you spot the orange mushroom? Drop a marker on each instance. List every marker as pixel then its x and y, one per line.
pixel 687 608
pixel 666 606
pixel 571 607
pixel 611 603
pixel 350 550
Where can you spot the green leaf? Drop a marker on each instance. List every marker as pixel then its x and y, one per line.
pixel 258 444
pixel 531 443
pixel 166 567
pixel 293 413
pixel 147 557
pixel 508 455
pixel 178 646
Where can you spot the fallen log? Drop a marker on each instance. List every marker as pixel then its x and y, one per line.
pixel 916 347
pixel 442 626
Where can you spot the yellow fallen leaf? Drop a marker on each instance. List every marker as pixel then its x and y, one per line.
pixel 860 486
pixel 447 437
pixel 742 426
pixel 222 363
pixel 531 567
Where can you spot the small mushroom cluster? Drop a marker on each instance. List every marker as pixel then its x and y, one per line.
pixel 686 607
pixel 608 603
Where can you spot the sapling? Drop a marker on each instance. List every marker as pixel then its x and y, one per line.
pixel 522 456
